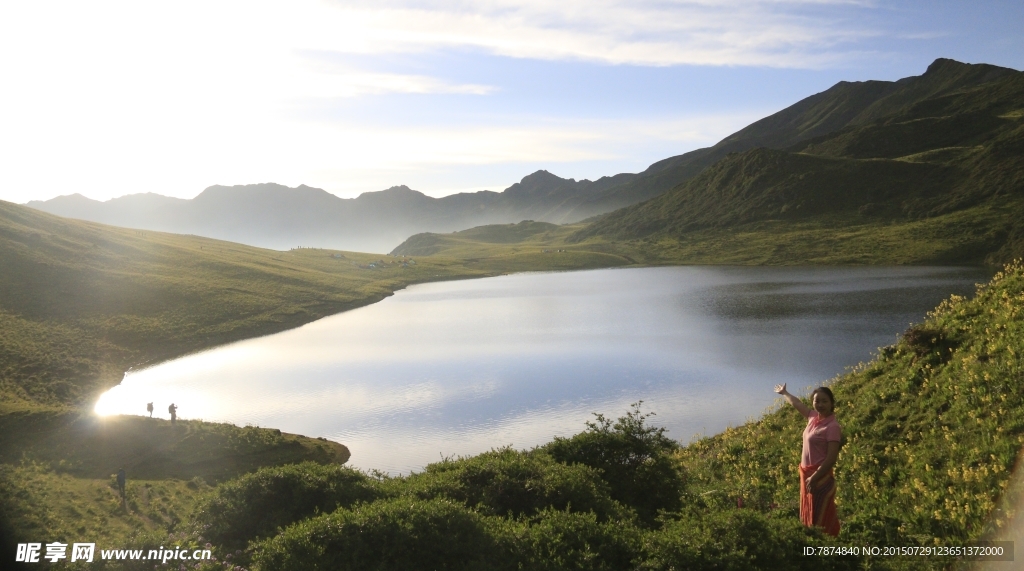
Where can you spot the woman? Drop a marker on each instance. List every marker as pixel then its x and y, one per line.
pixel 822 436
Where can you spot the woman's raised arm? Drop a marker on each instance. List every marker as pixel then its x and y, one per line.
pixel 797 403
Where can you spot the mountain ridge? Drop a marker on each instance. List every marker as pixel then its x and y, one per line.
pixel 277 216
pixel 280 217
pixel 957 145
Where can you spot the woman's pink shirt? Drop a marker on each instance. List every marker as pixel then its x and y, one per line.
pixel 817 434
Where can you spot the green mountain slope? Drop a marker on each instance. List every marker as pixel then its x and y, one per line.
pixel 960 148
pixel 846 104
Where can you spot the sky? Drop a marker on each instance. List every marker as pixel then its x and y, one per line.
pixel 108 98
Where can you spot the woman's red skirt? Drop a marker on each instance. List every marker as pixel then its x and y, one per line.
pixel 818 506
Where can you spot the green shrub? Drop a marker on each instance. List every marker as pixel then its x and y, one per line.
pixel 506 482
pixel 256 505
pixel 737 539
pixel 566 541
pixel 632 456
pixel 389 535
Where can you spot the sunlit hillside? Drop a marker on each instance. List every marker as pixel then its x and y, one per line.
pixel 81 303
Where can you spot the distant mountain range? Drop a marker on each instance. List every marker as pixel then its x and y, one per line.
pixel 913 147
pixel 276 216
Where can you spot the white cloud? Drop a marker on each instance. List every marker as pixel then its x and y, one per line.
pixel 751 32
pixel 111 97
pixel 349 159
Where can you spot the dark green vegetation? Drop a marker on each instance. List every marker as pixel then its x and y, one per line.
pixel 576 503
pixel 945 146
pixel 57 472
pixel 932 430
pixel 927 169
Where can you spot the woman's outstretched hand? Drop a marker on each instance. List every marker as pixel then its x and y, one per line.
pixel 781 389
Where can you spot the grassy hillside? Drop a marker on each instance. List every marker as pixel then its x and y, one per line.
pixel 527 246
pixel 943 148
pixel 933 428
pixel 985 233
pixel 844 105
pixel 80 303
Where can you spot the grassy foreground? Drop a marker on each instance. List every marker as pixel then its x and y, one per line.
pixel 57 473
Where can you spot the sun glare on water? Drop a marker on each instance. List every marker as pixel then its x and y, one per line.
pixel 177 382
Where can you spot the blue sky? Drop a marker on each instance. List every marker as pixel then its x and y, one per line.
pixel 113 98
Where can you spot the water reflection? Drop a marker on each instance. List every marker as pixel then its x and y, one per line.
pixel 460 367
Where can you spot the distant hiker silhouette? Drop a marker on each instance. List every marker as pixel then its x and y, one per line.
pixel 121 481
pixel 149 407
pixel 174 412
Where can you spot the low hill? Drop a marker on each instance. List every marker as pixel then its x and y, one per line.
pixel 428 244
pixel 933 427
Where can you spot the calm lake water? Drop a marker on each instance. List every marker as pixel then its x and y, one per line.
pixel 458 368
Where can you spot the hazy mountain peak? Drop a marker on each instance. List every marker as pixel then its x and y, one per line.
pixel 400 192
pixel 843 122
pixel 543 177
pixel 261 192
pixel 403 189
pixel 539 182
pixel 75 198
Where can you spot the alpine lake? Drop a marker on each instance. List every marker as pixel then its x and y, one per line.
pixel 456 368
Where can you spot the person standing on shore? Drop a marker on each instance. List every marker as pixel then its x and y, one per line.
pixel 174 413
pixel 121 481
pixel 149 409
pixel 822 437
